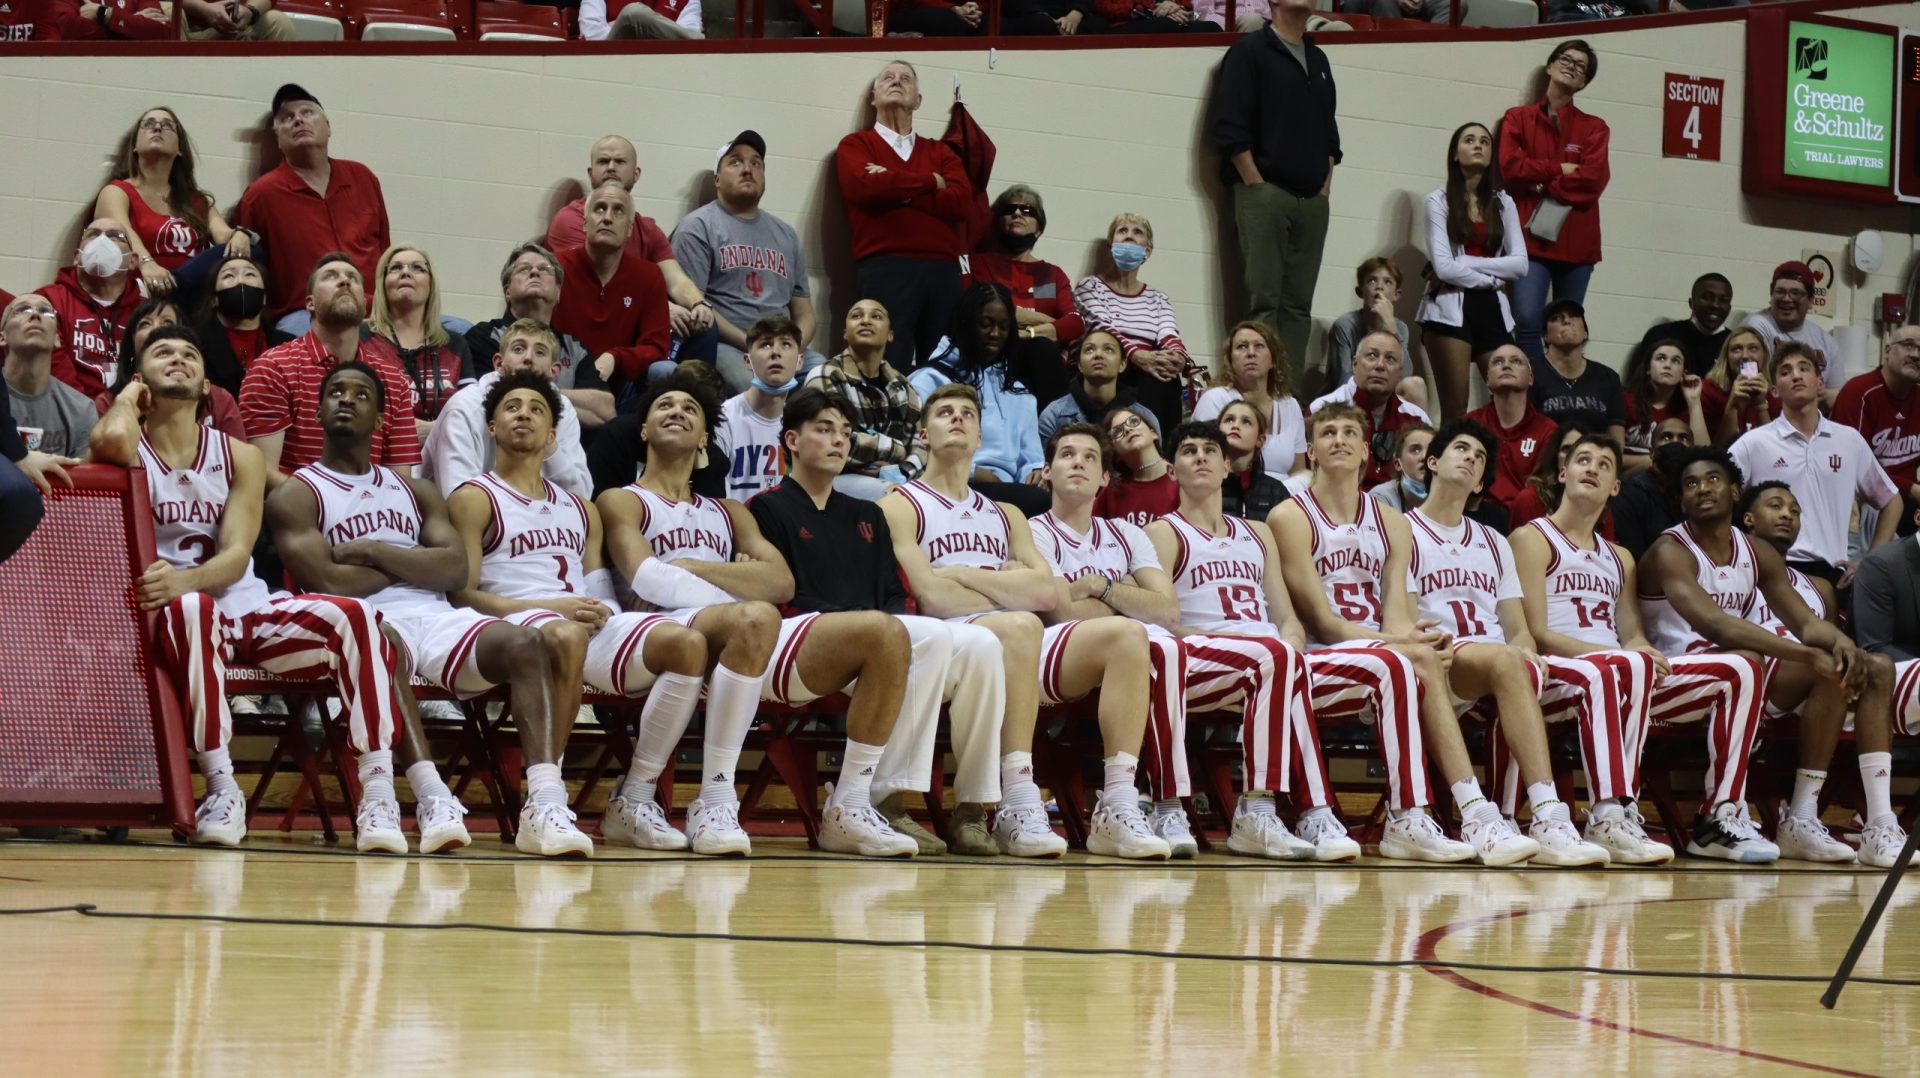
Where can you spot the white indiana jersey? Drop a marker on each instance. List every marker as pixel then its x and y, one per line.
pixel 1220 578
pixel 533 549
pixel 1111 548
pixel 1350 558
pixel 696 530
pixel 1582 586
pixel 380 506
pixel 1731 586
pixel 1764 616
pixel 972 531
pixel 188 505
pixel 1460 576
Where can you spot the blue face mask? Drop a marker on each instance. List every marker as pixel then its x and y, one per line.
pixel 1129 256
pixel 776 390
pixel 1414 487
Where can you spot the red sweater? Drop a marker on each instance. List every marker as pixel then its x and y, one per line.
pixel 1533 146
pixel 627 316
pixel 900 211
pixel 1520 449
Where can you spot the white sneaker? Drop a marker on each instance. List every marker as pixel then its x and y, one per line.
pixel 1626 841
pixel 441 829
pixel 1026 833
pixel 1728 834
pixel 1122 831
pixel 1264 834
pixel 1802 839
pixel 862 832
pixel 548 831
pixel 1561 845
pixel 1416 836
pixel 1496 841
pixel 1880 846
pixel 247 704
pixel 377 826
pixel 713 828
pixel 640 822
pixel 1328 835
pixel 1177 831
pixel 441 711
pixel 221 820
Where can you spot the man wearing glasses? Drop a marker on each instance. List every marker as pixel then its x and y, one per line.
pixel 530 280
pixel 1880 405
pixel 94 297
pixel 1378 361
pixel 1788 301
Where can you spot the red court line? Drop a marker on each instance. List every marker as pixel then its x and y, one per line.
pixel 1427 950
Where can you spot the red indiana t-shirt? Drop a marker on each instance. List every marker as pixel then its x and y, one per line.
pixel 1138 501
pixel 1520 449
pixel 1890 424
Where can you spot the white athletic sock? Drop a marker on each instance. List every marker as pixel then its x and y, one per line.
pixel 1545 801
pixel 732 703
pixel 670 705
pixel 1317 812
pixel 1169 807
pixel 1256 803
pixel 1017 788
pixel 1606 809
pixel 1876 778
pixel 1806 793
pixel 376 775
pixel 855 788
pixel 1466 792
pixel 426 782
pixel 545 786
pixel 1121 786
pixel 217 766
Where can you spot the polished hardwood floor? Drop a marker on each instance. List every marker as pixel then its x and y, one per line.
pixel 292 957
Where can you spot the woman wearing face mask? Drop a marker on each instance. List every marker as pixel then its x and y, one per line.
pixel 220 409
pixel 1159 370
pixel 1737 396
pixel 176 231
pixel 406 314
pixel 1408 487
pixel 1657 387
pixel 1007 466
pixel 232 330
pixel 1249 490
pixel 1046 324
pixel 1256 372
pixel 1478 248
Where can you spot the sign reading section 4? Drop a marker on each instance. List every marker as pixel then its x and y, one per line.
pixel 1839 108
pixel 1690 117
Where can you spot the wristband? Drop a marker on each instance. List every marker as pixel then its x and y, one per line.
pixel 1107 591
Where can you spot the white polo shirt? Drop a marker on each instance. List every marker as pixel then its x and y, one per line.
pixel 1826 350
pixel 1825 472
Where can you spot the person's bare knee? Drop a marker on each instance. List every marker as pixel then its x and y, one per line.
pixel 672 649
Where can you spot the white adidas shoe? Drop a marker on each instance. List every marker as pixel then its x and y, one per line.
pixel 862 832
pixel 1264 834
pixel 1024 832
pixel 1880 846
pixel 548 831
pixel 1496 841
pixel 1122 831
pixel 640 822
pixel 441 828
pixel 1626 841
pixel 1328 835
pixel 1416 836
pixel 1561 845
pixel 1177 831
pixel 221 820
pixel 713 828
pixel 1802 839
pixel 376 827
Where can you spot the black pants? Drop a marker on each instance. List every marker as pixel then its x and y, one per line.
pixel 919 295
pixel 1163 399
pixel 20 508
pixel 1030 500
pixel 1038 364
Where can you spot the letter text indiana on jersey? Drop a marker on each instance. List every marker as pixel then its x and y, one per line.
pixel 361 524
pixel 965 543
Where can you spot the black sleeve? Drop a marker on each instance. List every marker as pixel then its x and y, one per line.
pixel 15 449
pixel 892 589
pixel 1633 519
pixel 616 453
pixel 710 481
pixel 1233 102
pixel 1616 399
pixel 482 345
pixel 585 374
pixel 276 337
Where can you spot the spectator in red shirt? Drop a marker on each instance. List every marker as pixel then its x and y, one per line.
pixel 29 20
pixel 1142 488
pixel 1047 322
pixel 94 297
pixel 1540 496
pixel 406 314
pixel 1658 385
pixel 1377 362
pixel 613 160
pixel 280 397
pixel 613 300
pixel 310 205
pixel 906 197
pixel 219 408
pixel 1523 430
pixel 1737 396
pixel 175 229
pixel 1553 158
pixel 1151 17
pixel 1881 405
pixel 116 20
pixel 233 331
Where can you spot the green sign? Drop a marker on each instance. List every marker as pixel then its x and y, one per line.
pixel 1839 115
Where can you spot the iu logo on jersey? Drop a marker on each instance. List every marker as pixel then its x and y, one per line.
pixel 1834 462
pixel 1527 446
pixel 866 531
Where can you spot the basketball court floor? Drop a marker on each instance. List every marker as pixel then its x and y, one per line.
pixel 292 957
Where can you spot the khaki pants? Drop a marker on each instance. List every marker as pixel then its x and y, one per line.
pixel 271 26
pixel 639 20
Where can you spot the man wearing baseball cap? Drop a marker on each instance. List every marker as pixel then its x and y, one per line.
pixel 1789 299
pixel 747 262
pixel 310 205
pixel 1569 387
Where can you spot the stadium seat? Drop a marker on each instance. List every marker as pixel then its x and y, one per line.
pixel 508 20
pixel 315 20
pixel 403 20
pixel 1501 13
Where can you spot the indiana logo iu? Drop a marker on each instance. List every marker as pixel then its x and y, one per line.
pixel 1527 446
pixel 1834 462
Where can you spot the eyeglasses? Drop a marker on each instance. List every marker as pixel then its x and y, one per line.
pixel 156 123
pixel 1905 344
pixel 1018 210
pixel 113 234
pixel 1572 63
pixel 532 269
pixel 1789 293
pixel 1128 425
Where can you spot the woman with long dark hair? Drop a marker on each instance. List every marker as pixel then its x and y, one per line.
pixel 979 352
pixel 1658 386
pixel 174 227
pixel 1475 242
pixel 233 330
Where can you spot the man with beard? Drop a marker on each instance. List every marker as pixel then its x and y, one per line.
pixel 280 396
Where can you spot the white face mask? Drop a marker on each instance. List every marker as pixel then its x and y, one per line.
pixel 101 257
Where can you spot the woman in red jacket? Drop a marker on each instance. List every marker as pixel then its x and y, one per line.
pixel 1553 158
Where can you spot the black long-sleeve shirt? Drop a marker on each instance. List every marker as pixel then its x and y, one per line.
pixel 1266 102
pixel 11 444
pixel 841 556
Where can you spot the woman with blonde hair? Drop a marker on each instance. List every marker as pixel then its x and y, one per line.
pixel 1254 369
pixel 406 314
pixel 1737 396
pixel 174 227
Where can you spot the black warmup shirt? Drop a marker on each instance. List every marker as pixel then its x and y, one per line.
pixel 1703 349
pixel 841 556
pixel 1595 397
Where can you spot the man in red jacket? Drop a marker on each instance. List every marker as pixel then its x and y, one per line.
pixel 906 199
pixel 1524 430
pixel 613 300
pixel 94 297
pixel 1553 158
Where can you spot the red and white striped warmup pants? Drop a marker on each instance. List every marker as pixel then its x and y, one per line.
pixel 1163 748
pixel 296 636
pixel 1906 697
pixel 1349 679
pixel 1730 693
pixel 1582 689
pixel 1268 678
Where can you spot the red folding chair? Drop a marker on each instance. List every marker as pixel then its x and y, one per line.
pixel 508 20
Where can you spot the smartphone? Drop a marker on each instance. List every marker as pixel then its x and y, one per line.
pixel 1750 369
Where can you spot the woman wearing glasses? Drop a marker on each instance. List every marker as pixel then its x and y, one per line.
pixel 1474 237
pixel 406 314
pixel 176 231
pixel 1554 160
pixel 1045 322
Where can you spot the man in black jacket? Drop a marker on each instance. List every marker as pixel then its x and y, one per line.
pixel 1886 619
pixel 20 505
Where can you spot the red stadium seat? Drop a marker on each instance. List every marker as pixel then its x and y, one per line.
pixel 507 20
pixel 403 20
pixel 315 20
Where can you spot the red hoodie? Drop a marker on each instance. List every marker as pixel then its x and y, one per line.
pixel 89 347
